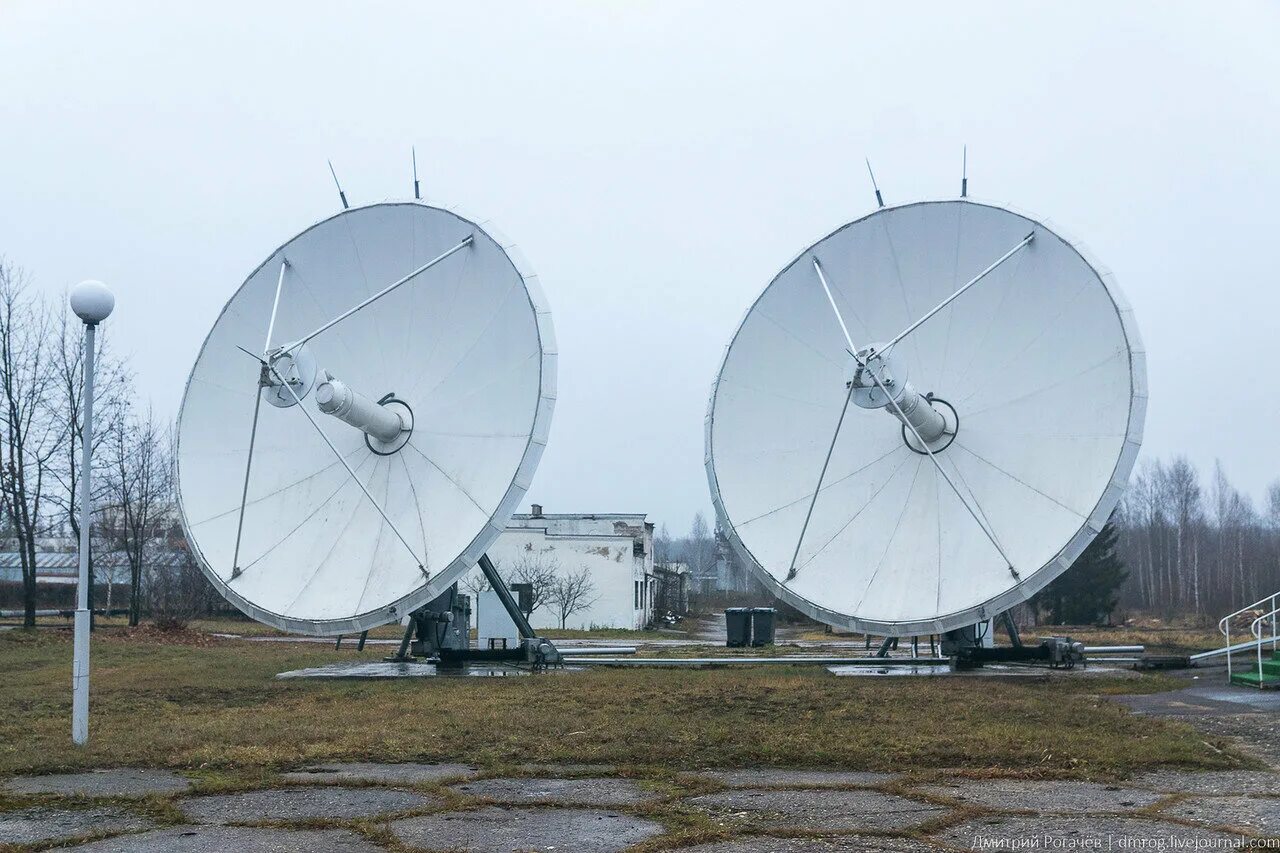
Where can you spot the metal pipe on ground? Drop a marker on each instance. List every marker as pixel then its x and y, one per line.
pixel 795 660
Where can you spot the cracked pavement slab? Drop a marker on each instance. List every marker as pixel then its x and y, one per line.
pixel 577 792
pixel 501 830
pixel 1024 832
pixel 1043 796
pixel 818 810
pixel 368 771
pixel 769 778
pixel 234 839
pixel 114 782
pixel 41 824
pixel 302 803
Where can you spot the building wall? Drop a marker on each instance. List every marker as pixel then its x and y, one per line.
pixel 616 548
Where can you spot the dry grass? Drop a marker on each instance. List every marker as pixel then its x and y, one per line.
pixel 218 706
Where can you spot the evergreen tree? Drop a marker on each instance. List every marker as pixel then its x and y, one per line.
pixel 1086 593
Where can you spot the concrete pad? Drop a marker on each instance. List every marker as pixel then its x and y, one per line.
pixel 818 811
pixel 569 769
pixel 796 778
pixel 1078 833
pixel 1258 814
pixel 367 771
pixel 302 803
pixel 34 825
pixel 234 839
pixel 390 669
pixel 574 792
pixel 858 844
pixel 499 830
pixel 1044 796
pixel 116 782
pixel 1211 781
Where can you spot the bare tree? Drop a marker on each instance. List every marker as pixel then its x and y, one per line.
pixel 141 485
pixel 700 550
pixel 30 435
pixel 538 571
pixel 573 592
pixel 111 391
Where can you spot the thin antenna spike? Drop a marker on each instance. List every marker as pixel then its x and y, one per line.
pixel 417 193
pixel 874 185
pixel 964 173
pixel 341 194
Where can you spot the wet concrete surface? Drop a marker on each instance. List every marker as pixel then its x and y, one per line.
pixel 396 669
pixel 1246 715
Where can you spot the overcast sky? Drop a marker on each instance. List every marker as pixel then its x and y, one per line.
pixel 658 163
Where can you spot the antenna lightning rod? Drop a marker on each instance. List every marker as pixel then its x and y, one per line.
pixel 341 194
pixel 417 194
pixel 964 173
pixel 874 185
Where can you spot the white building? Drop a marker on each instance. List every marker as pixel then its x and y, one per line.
pixel 615 548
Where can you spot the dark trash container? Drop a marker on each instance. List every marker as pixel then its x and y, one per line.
pixel 737 623
pixel 762 621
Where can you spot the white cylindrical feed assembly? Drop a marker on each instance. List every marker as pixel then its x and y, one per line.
pixel 915 411
pixel 879 381
pixel 335 397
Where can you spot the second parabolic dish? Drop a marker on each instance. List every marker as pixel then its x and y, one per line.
pixel 357 464
pixel 890 466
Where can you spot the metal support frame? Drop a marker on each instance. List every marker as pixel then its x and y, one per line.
pixel 1006 620
pixel 504 595
pixel 372 299
pixel 862 363
pixel 364 635
pixel 532 649
pixel 1021 244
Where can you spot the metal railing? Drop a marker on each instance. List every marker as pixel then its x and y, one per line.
pixel 1255 628
pixel 1224 626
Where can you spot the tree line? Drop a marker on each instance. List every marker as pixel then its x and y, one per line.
pixel 135 538
pixel 1195 548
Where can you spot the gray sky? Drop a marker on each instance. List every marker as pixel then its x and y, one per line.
pixel 658 163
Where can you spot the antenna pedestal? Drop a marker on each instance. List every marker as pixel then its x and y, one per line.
pixel 441 631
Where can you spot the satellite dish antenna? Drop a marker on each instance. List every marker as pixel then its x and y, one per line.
pixel 925 418
pixel 364 416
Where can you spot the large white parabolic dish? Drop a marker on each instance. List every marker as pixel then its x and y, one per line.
pixel 466 344
pixel 1042 362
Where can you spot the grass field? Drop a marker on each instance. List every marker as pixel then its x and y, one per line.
pixel 190 701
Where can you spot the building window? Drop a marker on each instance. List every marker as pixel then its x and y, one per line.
pixel 637 595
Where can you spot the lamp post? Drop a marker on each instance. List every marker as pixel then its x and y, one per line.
pixel 92 302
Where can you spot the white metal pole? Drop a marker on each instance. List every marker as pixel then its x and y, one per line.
pixel 80 661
